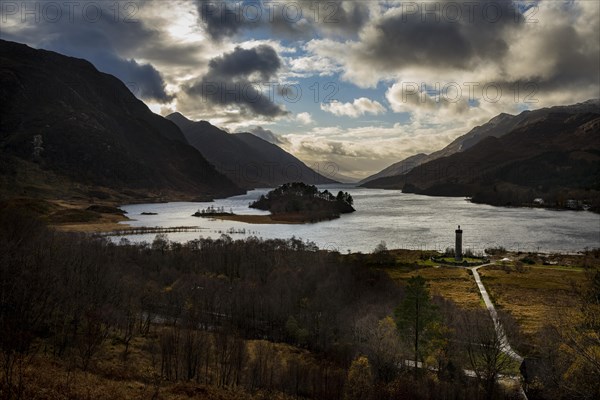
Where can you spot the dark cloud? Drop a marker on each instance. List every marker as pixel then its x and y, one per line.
pixel 228 81
pixel 100 41
pixel 301 19
pixel 221 19
pixel 262 59
pixel 143 79
pixel 574 64
pixel 429 34
pixel 342 16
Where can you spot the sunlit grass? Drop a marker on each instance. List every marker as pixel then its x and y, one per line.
pixel 535 296
pixel 453 283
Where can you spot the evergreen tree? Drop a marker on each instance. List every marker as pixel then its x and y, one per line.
pixel 415 315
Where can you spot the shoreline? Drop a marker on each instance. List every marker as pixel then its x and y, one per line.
pixel 279 219
pixel 121 228
pixel 548 207
pixel 70 215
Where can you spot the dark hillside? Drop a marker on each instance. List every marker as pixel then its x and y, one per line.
pixel 71 120
pixel 556 157
pixel 245 158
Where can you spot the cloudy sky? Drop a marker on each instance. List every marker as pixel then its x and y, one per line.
pixel 360 83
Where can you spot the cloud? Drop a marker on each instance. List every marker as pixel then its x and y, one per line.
pixel 342 17
pixel 426 34
pixel 314 65
pixel 355 109
pixel 142 79
pixel 261 60
pixel 403 37
pixel 548 46
pixel 230 81
pixel 540 58
pixel 362 151
pixel 99 42
pixel 219 19
pixel 267 135
pixel 295 19
pixel 305 118
pixel 222 20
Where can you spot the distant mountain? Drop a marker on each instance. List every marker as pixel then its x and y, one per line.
pixel 498 126
pixel 555 156
pixel 503 124
pixel 62 118
pixel 246 159
pixel 344 178
pixel 398 168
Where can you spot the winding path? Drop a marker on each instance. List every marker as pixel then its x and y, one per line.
pixel 506 348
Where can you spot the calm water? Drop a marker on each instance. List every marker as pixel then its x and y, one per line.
pixel 401 220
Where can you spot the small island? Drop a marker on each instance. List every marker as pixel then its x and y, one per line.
pixel 213 212
pixel 302 203
pixel 291 203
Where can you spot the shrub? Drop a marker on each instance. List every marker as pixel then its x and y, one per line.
pixel 495 250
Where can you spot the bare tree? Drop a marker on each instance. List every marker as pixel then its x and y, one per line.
pixel 383 348
pixel 485 348
pixel 263 365
pixel 230 357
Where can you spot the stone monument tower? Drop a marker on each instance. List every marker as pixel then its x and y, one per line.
pixel 458 245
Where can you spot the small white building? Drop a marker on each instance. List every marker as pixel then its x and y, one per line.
pixel 538 202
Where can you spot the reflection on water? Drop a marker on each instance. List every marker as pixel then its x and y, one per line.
pixel 401 220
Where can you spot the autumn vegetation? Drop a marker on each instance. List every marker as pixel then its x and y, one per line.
pixel 83 317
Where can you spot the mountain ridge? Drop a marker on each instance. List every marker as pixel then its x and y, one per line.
pixel 245 158
pixel 497 126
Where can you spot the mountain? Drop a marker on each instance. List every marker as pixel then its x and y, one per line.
pixel 398 168
pixel 503 124
pixel 246 159
pixel 498 126
pixel 555 157
pixel 61 119
pixel 341 178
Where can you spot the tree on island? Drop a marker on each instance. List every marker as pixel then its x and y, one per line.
pixel 345 197
pixel 300 198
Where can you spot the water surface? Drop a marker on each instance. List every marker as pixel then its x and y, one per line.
pixel 401 220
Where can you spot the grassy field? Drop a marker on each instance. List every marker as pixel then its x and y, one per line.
pixel 451 260
pixel 536 296
pixel 534 289
pixel 452 283
pixel 75 217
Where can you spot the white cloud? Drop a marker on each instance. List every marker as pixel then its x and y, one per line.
pixel 314 65
pixel 362 151
pixel 305 118
pixel 355 109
